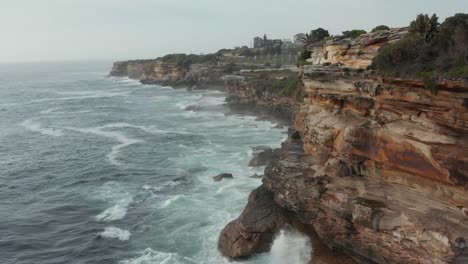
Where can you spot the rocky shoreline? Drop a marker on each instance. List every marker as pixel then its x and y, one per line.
pixel 376 170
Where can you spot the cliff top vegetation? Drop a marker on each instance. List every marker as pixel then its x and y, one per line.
pixel 430 50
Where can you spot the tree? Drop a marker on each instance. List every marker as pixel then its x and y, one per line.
pixel 319 34
pixel 315 35
pixel 353 33
pixel 381 27
pixel 306 40
pixel 425 26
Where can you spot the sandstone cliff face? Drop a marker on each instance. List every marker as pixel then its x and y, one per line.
pixel 354 53
pixel 168 73
pixel 385 176
pixel 130 69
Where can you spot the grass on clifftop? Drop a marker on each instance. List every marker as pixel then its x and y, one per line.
pixel 289 86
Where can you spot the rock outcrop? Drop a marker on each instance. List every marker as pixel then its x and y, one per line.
pixel 169 73
pixel 354 53
pixel 255 229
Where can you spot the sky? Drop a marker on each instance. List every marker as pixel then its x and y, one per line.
pixel 64 30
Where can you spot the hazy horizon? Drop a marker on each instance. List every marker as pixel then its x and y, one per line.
pixel 67 30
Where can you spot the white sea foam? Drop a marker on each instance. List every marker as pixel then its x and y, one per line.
pixel 149 255
pixel 36 127
pixel 115 212
pixel 124 141
pixel 114 232
pixel 49 110
pixel 117 194
pixel 83 95
pixel 290 247
pixel 169 201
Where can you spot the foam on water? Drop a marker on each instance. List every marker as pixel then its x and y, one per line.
pixel 114 232
pixel 170 200
pixel 289 247
pixel 149 256
pixel 115 212
pixel 49 110
pixel 114 193
pixel 120 137
pixel 31 125
pixel 82 95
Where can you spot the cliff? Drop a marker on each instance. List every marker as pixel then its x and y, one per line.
pixel 388 174
pixel 383 175
pixel 172 71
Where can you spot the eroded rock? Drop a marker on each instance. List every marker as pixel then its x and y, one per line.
pixel 255 229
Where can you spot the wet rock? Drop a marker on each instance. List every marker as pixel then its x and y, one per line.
pixel 261 156
pixel 222 176
pixel 255 229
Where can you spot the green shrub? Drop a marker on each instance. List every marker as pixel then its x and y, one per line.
pixel 302 60
pixel 379 28
pixel 353 33
pixel 441 50
pixel 185 61
pixel 267 85
pixel 425 26
pixel 431 85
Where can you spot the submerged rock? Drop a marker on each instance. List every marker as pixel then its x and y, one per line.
pixel 255 229
pixel 222 176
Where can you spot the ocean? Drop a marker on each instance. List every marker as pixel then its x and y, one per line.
pixel 96 169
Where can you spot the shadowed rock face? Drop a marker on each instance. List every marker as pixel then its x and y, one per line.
pixel 255 229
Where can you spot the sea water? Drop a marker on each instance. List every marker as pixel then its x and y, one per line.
pixel 95 169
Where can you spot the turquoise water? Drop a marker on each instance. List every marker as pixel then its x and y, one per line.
pixel 105 170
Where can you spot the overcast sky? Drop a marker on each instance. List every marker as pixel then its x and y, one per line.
pixel 51 30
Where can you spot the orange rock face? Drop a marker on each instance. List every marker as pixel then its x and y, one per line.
pixel 388 177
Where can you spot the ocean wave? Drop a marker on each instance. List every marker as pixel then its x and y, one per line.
pixel 115 212
pixel 169 201
pixel 114 232
pixel 124 140
pixel 36 127
pixel 82 95
pixel 290 247
pixel 152 256
pixel 49 110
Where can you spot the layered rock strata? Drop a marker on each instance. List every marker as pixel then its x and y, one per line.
pixel 354 53
pixel 168 73
pixel 384 176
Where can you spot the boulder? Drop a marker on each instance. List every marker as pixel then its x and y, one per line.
pixel 222 176
pixel 255 229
